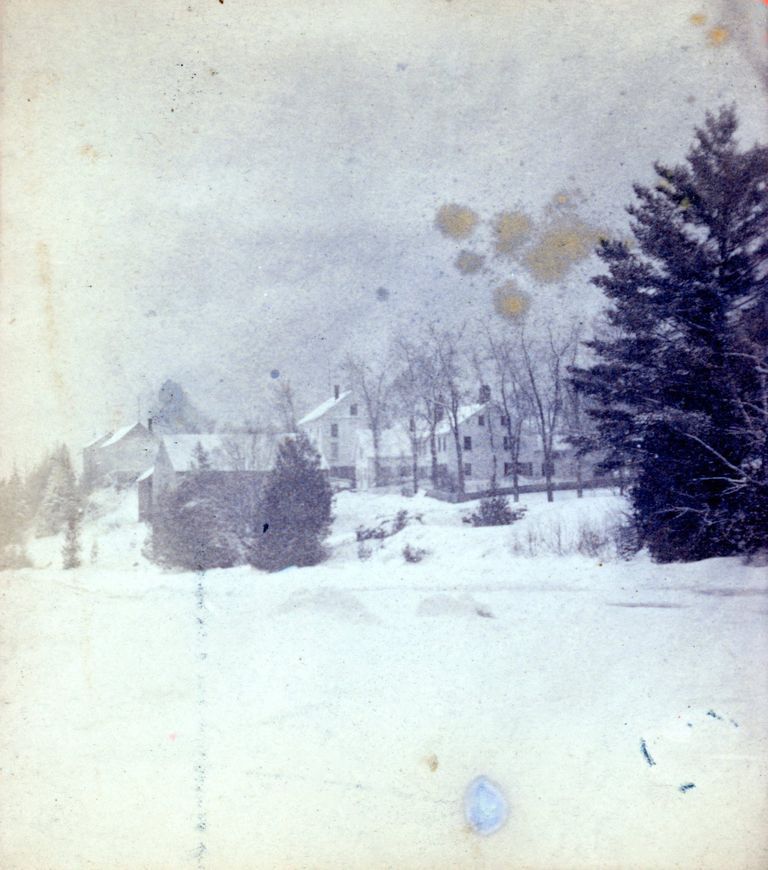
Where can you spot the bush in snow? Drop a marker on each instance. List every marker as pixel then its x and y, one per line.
pixel 494 510
pixel 413 554
pixel 70 552
pixel 595 537
pixel 296 510
pixel 385 529
pixel 364 551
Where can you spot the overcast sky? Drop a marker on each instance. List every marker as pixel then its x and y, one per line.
pixel 211 191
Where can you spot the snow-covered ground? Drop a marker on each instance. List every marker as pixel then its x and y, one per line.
pixel 333 717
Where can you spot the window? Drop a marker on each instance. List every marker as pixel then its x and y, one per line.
pixel 334 430
pixel 507 442
pixel 504 421
pixel 467 469
pixel 547 467
pixel 335 452
pixel 467 442
pixel 507 469
pixel 481 420
pixel 353 410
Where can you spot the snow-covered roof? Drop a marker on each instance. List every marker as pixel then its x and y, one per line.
pixel 465 412
pixel 392 442
pixel 97 441
pixel 121 433
pixel 147 474
pixel 322 409
pixel 226 451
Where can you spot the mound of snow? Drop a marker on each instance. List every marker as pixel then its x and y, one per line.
pixel 336 602
pixel 450 605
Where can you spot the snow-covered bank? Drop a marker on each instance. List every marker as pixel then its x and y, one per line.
pixel 332 717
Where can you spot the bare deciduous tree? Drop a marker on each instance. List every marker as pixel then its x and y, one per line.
pixel 284 406
pixel 370 382
pixel 508 375
pixel 446 347
pixel 544 365
pixel 417 398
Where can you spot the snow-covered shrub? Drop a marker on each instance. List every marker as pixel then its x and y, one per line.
pixel 70 552
pixel 606 537
pixel 206 522
pixel 364 551
pixel 494 510
pixel 385 529
pixel 413 554
pixel 400 521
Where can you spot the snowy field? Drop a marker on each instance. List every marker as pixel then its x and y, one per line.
pixel 332 717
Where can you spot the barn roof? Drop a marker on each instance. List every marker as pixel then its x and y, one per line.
pixel 322 409
pixel 98 441
pixel 465 412
pixel 226 451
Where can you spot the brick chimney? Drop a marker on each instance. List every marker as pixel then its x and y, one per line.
pixel 149 423
pixel 336 391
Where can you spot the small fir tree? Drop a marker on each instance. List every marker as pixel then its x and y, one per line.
pixel 70 552
pixel 59 497
pixel 296 509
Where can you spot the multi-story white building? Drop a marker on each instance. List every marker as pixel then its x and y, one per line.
pixel 332 427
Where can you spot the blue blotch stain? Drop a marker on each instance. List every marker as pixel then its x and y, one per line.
pixel 485 806
pixel 687 787
pixel 275 373
pixel 382 294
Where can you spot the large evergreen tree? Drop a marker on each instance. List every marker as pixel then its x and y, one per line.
pixel 296 509
pixel 205 522
pixel 681 375
pixel 60 497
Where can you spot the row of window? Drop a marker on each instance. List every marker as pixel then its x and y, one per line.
pixel 503 420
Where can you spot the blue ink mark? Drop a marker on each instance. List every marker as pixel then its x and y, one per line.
pixel 734 723
pixel 485 806
pixel 647 754
pixel 275 373
pixel 714 715
pixel 687 787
